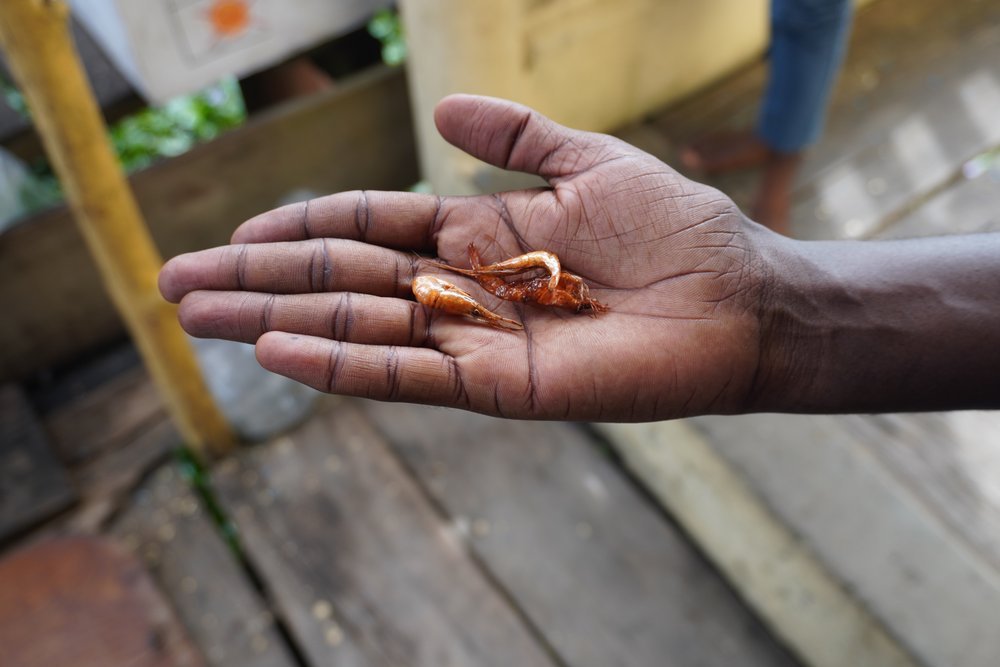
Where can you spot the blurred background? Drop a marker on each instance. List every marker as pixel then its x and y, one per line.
pixel 354 533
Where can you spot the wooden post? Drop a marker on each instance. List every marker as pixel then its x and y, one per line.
pixel 35 36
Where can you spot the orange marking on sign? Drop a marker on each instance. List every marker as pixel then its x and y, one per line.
pixel 229 17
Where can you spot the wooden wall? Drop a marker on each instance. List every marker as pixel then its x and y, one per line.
pixel 53 306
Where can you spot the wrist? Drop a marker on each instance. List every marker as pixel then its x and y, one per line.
pixel 787 345
pixel 797 318
pixel 866 326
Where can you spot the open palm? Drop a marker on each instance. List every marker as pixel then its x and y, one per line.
pixel 323 287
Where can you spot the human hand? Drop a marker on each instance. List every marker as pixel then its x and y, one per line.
pixel 323 287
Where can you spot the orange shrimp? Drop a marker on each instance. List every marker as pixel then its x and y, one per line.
pixel 536 259
pixel 436 293
pixel 569 291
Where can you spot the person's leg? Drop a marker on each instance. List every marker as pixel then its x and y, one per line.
pixel 808 40
pixel 724 152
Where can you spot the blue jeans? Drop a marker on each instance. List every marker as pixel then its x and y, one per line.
pixel 808 40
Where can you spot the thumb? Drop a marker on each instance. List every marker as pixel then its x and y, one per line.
pixel 512 136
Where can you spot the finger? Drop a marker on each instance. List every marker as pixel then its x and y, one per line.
pixel 393 219
pixel 319 265
pixel 512 136
pixel 385 373
pixel 355 318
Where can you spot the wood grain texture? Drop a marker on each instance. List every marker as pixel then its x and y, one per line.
pixel 84 602
pixel 68 118
pixel 166 526
pixel 105 418
pixel 910 105
pixel 33 482
pixel 967 207
pixel 594 566
pixel 870 530
pixel 792 590
pixel 110 438
pixel 356 136
pixel 358 563
pixel 950 462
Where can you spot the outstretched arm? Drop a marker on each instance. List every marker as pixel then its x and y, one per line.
pixel 709 312
pixel 880 326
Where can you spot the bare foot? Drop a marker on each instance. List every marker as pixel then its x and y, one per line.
pixel 728 151
pixel 774 196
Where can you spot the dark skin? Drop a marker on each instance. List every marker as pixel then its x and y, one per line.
pixel 709 312
pixel 745 150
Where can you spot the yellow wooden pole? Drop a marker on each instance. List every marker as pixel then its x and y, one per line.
pixel 35 36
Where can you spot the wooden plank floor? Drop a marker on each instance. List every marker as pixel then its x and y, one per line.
pixel 398 535
pixel 917 97
pixel 359 564
pixel 603 576
pixel 169 528
pixel 951 461
pixel 902 510
pixel 390 534
pixel 383 534
pixel 884 539
pixel 405 535
pixel 33 483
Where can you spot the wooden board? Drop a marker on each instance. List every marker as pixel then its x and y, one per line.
pixel 84 602
pixel 967 207
pixel 792 591
pixel 912 102
pixel 110 437
pixel 105 418
pixel 166 526
pixel 872 532
pixel 358 563
pixel 951 463
pixel 916 100
pixel 604 576
pixel 33 483
pixel 902 56
pixel 900 508
pixel 356 136
pixel 53 390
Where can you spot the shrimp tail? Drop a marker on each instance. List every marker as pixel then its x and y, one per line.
pixel 499 322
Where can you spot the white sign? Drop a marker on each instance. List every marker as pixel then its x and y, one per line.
pixel 172 47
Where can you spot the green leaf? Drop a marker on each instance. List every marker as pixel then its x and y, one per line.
pixel 178 125
pixel 386 26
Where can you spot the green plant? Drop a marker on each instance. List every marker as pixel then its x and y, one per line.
pixel 12 96
pixel 387 28
pixel 144 137
pixel 196 474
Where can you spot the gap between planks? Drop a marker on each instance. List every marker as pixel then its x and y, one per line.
pixel 362 569
pixel 599 570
